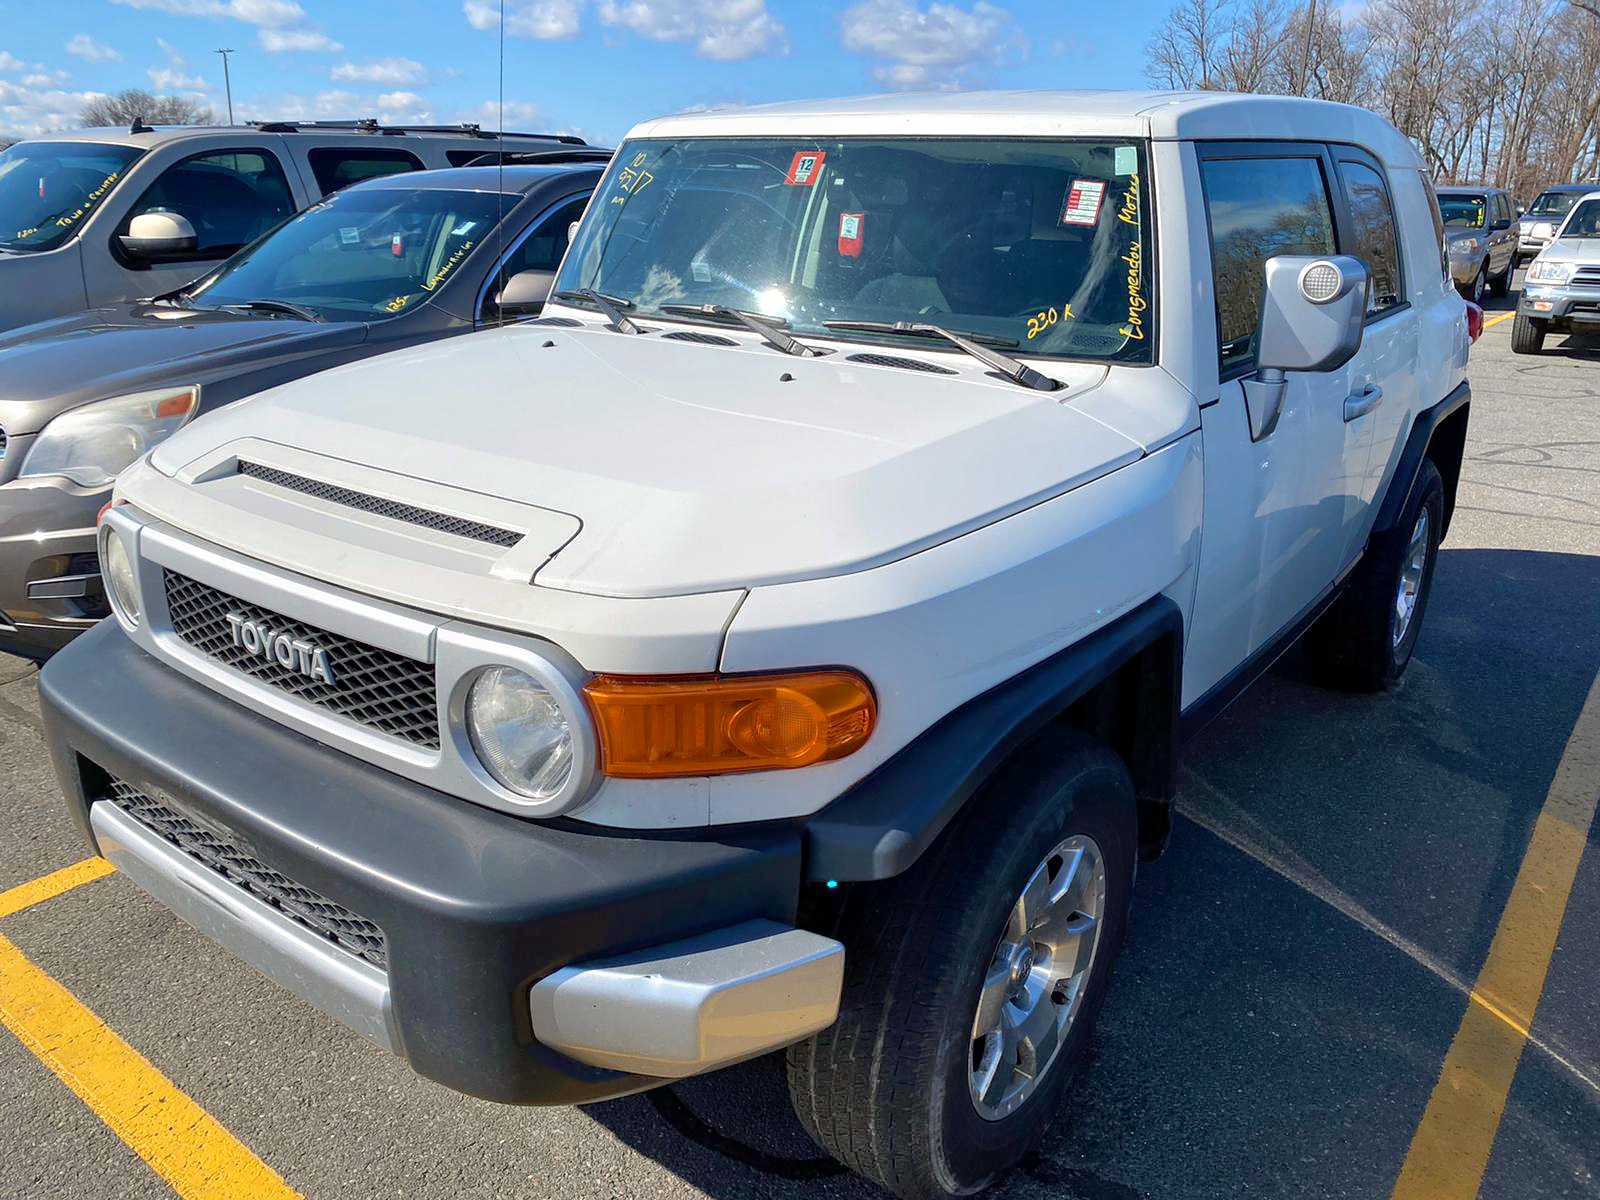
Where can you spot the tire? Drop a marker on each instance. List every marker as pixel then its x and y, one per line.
pixel 1527 334
pixel 1365 641
pixel 1480 281
pixel 887 1089
pixel 1500 285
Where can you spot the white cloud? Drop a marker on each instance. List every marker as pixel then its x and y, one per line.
pixel 547 20
pixel 38 80
pixel 938 45
pixel 10 62
pixel 280 24
pixel 279 41
pixel 721 30
pixel 173 79
pixel 28 112
pixel 390 71
pixel 85 47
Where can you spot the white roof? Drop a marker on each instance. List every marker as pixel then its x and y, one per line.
pixel 1115 114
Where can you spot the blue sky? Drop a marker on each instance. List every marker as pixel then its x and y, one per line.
pixel 587 66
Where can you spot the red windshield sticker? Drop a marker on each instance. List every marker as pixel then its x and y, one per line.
pixel 1083 202
pixel 806 168
pixel 850 233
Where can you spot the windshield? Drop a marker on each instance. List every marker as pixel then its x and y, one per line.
pixel 48 188
pixel 1044 246
pixel 1584 221
pixel 1553 204
pixel 358 255
pixel 1462 212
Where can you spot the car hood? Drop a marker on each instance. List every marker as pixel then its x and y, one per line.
pixel 693 468
pixel 56 365
pixel 1457 234
pixel 1572 249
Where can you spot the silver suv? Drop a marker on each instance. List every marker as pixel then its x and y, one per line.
pixel 1480 237
pixel 100 216
pixel 1550 207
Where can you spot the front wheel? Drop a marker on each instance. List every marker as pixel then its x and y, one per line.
pixel 1527 334
pixel 1500 285
pixel 972 981
pixel 1479 282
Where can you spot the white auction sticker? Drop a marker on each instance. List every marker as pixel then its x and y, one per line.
pixel 1083 202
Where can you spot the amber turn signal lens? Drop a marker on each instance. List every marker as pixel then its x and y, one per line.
pixel 659 728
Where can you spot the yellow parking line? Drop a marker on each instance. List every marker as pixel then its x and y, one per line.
pixel 1493 321
pixel 183 1143
pixel 1451 1147
pixel 52 885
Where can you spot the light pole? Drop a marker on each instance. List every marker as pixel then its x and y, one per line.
pixel 227 81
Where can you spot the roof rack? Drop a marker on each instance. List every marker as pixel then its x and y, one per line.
pixel 374 126
pixel 526 158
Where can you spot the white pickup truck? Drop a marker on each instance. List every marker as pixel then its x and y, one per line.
pixel 788 638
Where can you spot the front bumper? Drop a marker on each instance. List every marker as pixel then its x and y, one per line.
pixel 1464 270
pixel 522 962
pixel 50 589
pixel 1579 305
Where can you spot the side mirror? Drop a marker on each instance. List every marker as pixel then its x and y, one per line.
pixel 154 235
pixel 1498 225
pixel 1313 313
pixel 1522 210
pixel 525 293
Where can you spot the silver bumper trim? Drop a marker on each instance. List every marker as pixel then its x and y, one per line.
pixel 352 992
pixel 693 1006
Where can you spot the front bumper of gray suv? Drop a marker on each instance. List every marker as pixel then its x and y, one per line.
pixel 50 589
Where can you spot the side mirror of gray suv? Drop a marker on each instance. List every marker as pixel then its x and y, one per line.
pixel 1313 312
pixel 525 293
pixel 154 235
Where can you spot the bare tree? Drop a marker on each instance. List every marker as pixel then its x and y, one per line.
pixel 135 105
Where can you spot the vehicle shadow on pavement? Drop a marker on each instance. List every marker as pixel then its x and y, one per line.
pixel 1258 1038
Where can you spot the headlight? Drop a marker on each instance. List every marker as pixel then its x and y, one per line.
pixel 116 568
pixel 520 733
pixel 1544 229
pixel 1550 272
pixel 93 444
pixel 1465 246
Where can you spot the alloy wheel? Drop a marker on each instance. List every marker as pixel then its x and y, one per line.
pixel 1411 572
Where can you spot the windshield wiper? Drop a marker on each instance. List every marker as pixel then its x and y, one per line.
pixel 770 329
pixel 610 306
pixel 1019 373
pixel 276 306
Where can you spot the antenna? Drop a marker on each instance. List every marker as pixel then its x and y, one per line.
pixel 500 169
pixel 227 81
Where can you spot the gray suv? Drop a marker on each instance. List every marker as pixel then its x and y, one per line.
pixel 1480 237
pixel 1544 216
pixel 99 216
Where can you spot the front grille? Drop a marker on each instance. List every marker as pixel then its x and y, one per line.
pixel 377 688
pixel 908 364
pixel 1587 277
pixel 378 506
pixel 226 856
pixel 3 441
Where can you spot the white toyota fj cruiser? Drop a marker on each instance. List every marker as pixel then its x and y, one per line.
pixel 788 639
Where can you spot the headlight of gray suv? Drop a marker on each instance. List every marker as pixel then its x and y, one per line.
pixel 93 444
pixel 1543 271
pixel 1462 247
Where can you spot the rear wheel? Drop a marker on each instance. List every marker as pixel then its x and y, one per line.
pixel 1527 334
pixel 971 981
pixel 1364 642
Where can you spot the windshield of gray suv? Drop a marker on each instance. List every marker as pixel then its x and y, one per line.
pixel 1042 247
pixel 1584 222
pixel 1462 212
pixel 48 188
pixel 361 255
pixel 1553 204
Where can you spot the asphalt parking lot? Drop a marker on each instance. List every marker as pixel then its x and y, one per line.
pixel 1297 972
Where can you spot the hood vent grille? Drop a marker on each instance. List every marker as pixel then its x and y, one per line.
pixel 704 339
pixel 907 364
pixel 378 506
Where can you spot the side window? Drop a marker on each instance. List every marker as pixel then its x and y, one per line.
pixel 339 166
pixel 1438 222
pixel 541 250
pixel 1258 208
pixel 230 197
pixel 1373 218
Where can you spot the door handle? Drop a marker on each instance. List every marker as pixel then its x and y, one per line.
pixel 1359 404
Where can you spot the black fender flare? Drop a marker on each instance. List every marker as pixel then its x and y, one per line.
pixel 1416 448
pixel 882 824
